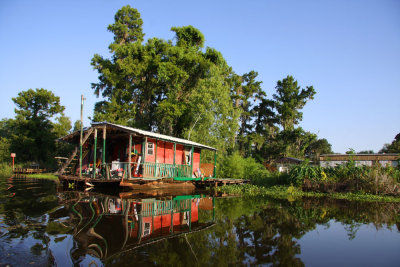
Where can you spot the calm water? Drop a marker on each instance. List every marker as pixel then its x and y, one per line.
pixel 43 225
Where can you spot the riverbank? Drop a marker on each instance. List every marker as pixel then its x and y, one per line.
pixel 292 193
pixel 47 176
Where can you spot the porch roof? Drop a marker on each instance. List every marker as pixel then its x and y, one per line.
pixel 144 134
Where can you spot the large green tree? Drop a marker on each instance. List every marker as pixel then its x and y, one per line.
pixel 176 87
pixel 276 119
pixel 393 147
pixel 289 100
pixel 32 132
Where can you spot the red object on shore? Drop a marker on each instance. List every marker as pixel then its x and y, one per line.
pixel 13 155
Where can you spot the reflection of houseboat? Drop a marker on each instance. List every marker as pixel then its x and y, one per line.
pixel 115 154
pixel 104 226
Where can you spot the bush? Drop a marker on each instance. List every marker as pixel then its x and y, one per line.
pixel 237 167
pixel 347 177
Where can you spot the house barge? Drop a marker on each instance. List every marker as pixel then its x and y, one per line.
pixel 108 154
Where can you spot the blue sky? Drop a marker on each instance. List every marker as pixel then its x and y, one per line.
pixel 348 50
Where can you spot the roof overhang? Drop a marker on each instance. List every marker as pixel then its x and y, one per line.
pixel 136 132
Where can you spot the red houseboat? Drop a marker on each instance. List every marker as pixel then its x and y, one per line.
pixel 107 153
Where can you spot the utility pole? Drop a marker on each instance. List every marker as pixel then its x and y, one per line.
pixel 80 142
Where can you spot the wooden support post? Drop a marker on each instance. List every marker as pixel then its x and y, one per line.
pixel 175 172
pixel 129 157
pixel 215 163
pixel 144 149
pixel 213 207
pixel 104 146
pixel 191 162
pixel 81 141
pixel 94 153
pixel 155 160
pixel 172 217
pixel 190 216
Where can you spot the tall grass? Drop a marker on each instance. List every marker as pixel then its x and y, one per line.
pixel 6 169
pixel 347 177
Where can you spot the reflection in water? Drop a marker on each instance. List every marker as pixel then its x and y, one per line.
pixel 40 226
pixel 106 225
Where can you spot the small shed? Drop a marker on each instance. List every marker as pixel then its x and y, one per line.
pixel 284 163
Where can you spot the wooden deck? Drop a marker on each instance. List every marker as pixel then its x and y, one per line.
pixel 214 182
pixel 148 184
pixel 28 170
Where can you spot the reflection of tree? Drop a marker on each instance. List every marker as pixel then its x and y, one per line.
pixel 23 205
pixel 248 231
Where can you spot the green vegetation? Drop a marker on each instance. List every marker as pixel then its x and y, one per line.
pixel 182 88
pixel 347 178
pixel 6 169
pixel 291 193
pixel 47 176
pixel 32 133
pixel 394 147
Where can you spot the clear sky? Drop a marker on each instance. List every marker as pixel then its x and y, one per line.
pixel 348 50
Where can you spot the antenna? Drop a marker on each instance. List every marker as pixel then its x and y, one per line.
pixel 80 141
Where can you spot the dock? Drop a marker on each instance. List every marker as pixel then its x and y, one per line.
pixel 147 184
pixel 215 182
pixel 28 170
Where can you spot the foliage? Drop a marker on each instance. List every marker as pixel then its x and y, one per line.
pixel 47 176
pixel 301 172
pixel 31 135
pixel 176 89
pixel 289 100
pixel 318 147
pixel 235 166
pixel 6 169
pixel 394 147
pixel 77 126
pixel 347 177
pixel 288 192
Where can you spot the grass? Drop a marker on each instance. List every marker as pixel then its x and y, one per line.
pixel 48 176
pixel 292 193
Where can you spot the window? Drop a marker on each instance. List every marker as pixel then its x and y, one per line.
pixel 150 148
pixel 146 230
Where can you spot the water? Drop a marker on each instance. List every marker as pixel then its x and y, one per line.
pixel 42 225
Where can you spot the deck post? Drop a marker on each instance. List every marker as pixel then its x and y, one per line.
pixel 80 141
pixel 215 163
pixel 190 215
pixel 191 162
pixel 155 160
pixel 129 157
pixel 104 146
pixel 94 153
pixel 200 164
pixel 213 207
pixel 144 148
pixel 175 172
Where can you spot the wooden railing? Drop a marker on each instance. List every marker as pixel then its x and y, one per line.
pixel 163 170
pixel 159 207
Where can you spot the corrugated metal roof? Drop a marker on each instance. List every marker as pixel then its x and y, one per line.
pixel 153 135
pixel 344 157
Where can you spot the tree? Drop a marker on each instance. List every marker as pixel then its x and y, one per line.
pixel 32 132
pixel 394 147
pixel 289 100
pixel 5 143
pixel 62 126
pixel 245 96
pixel 318 147
pixel 177 89
pixel 77 126
pixel 366 152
